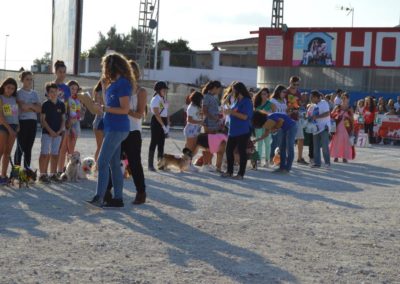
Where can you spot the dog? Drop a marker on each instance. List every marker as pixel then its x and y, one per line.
pixel 252 154
pixel 182 163
pixel 22 174
pixel 277 158
pixel 72 169
pixel 86 167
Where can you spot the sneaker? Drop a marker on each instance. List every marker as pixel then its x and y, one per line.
pixel 152 169
pixel 44 179
pixel 237 177
pixel 266 165
pixel 327 166
pixel 315 166
pixel 345 161
pixel 193 169
pixel 208 168
pixel 55 178
pixel 226 175
pixel 95 202
pixel 302 161
pixel 336 160
pixel 114 203
pixel 3 180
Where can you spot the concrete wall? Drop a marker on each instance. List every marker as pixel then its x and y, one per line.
pixel 225 74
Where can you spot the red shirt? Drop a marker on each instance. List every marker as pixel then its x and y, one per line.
pixel 368 115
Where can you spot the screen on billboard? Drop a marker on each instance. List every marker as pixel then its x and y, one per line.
pixel 66 35
pixel 314 49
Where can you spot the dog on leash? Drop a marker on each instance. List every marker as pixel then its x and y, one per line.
pixel 180 162
pixel 22 174
pixel 72 169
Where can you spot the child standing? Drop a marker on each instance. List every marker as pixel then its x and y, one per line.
pixel 8 123
pixel 53 123
pixel 29 107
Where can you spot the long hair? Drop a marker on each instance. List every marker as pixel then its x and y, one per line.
pixel 135 69
pixel 277 92
pixel 9 81
pixel 211 85
pixel 241 89
pixel 257 99
pixel 371 105
pixel 196 98
pixel 227 92
pixel 258 119
pixel 116 64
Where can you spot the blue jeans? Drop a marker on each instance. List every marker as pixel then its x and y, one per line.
pixel 276 141
pixel 286 147
pixel 321 140
pixel 110 158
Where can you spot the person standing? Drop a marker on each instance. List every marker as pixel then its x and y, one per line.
pixel 294 103
pixel 29 107
pixel 117 83
pixel 278 99
pixel 159 124
pixel 369 113
pixel 340 146
pixel 288 128
pixel 132 145
pixel 9 123
pixel 262 103
pixel 239 131
pixel 52 119
pixel 211 115
pixel 321 116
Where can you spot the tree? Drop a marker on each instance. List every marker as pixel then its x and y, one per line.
pixel 181 54
pixel 45 60
pixel 125 44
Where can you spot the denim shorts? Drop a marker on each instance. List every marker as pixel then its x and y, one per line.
pixel 4 129
pixel 76 126
pixel 98 123
pixel 50 145
pixel 191 130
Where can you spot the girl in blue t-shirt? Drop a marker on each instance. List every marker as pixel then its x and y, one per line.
pixel 117 82
pixel 240 114
pixel 288 129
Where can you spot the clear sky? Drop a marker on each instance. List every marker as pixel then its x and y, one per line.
pixel 28 22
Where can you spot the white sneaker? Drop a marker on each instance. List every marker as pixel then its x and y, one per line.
pixel 266 165
pixel 208 168
pixel 193 169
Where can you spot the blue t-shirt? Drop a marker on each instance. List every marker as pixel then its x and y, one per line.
pixel 117 122
pixel 238 126
pixel 287 121
pixel 64 92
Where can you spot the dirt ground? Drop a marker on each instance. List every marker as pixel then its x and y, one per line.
pixel 337 225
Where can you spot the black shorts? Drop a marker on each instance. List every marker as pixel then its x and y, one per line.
pixel 4 129
pixel 202 140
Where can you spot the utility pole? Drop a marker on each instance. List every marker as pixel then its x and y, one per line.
pixel 5 52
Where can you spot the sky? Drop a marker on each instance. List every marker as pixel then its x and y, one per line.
pixel 28 23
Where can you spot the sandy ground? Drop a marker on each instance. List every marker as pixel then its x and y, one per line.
pixel 337 225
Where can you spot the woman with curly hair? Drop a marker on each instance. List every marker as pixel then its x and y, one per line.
pixel 117 83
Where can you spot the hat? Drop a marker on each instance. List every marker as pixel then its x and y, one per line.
pixel 160 85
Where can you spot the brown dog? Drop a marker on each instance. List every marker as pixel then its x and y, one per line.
pixel 182 163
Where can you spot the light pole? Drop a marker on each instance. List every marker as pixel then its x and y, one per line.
pixel 5 52
pixel 349 10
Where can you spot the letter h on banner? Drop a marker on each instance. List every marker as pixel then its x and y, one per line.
pixel 366 49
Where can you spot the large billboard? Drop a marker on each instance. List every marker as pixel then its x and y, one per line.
pixel 66 34
pixel 336 47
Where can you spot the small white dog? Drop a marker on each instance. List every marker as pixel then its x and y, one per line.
pixel 86 168
pixel 72 169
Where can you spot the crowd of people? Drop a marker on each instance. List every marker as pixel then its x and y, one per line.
pixel 218 126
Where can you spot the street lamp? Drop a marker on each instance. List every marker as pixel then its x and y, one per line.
pixel 5 52
pixel 349 10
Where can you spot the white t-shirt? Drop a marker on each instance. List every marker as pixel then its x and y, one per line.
pixel 194 112
pixel 281 107
pixel 324 122
pixel 158 102
pixel 135 123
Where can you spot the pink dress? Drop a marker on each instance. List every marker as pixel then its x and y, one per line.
pixel 340 146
